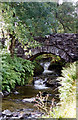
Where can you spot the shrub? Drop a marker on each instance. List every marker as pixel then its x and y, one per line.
pixel 43 103
pixel 68 81
pixel 67 108
pixel 15 71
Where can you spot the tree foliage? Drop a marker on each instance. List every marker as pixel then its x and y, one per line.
pixel 25 20
pixel 67 17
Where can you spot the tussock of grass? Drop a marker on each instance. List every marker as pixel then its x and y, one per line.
pixel 66 110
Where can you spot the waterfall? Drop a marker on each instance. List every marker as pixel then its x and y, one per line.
pixel 46 71
pixel 46 65
pixel 39 83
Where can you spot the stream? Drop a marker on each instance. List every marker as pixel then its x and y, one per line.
pixel 19 104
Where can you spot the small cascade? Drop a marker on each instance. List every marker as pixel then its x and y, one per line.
pixel 46 71
pixel 40 84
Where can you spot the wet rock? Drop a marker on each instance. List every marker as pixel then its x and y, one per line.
pixel 0 114
pixel 27 110
pixel 15 114
pixel 27 113
pixel 49 84
pixel 16 100
pixel 14 118
pixel 52 82
pixel 57 66
pixel 20 114
pixel 5 93
pixel 1 94
pixel 4 118
pixel 38 69
pixel 36 114
pixel 21 109
pixel 7 112
pixel 30 100
pixel 1 118
pixel 16 92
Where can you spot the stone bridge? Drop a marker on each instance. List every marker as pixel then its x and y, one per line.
pixel 63 45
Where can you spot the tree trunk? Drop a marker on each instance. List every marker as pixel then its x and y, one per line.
pixel 12 46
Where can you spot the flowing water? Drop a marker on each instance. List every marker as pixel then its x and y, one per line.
pixel 15 101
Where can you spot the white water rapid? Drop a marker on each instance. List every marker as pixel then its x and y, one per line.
pixel 46 71
pixel 40 83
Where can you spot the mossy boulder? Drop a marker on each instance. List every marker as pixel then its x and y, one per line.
pixel 38 69
pixel 30 80
pixel 57 66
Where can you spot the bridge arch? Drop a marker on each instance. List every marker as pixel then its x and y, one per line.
pixel 33 57
pixel 50 50
pixel 63 45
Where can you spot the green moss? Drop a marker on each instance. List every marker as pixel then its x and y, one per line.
pixel 30 80
pixel 56 66
pixel 38 68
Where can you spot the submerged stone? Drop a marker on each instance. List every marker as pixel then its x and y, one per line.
pixel 38 69
pixel 16 92
pixel 6 93
pixel 1 94
pixel 30 100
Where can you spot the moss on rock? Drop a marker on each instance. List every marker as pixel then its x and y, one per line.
pixel 30 80
pixel 57 66
pixel 38 69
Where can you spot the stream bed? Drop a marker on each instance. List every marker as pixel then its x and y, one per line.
pixel 20 104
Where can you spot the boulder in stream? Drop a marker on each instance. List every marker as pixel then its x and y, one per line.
pixel 16 92
pixel 38 69
pixel 30 100
pixel 6 93
pixel 7 112
pixel 52 83
pixel 57 66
